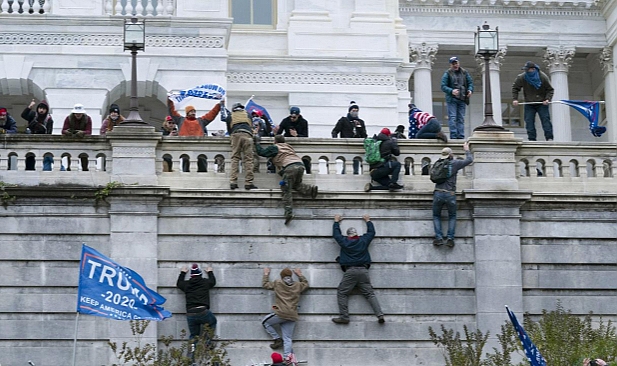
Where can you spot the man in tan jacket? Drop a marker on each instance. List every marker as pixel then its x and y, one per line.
pixel 287 293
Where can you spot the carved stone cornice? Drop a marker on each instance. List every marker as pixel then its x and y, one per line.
pixel 423 55
pixel 559 59
pixel 540 8
pixel 57 39
pixel 494 62
pixel 606 59
pixel 310 78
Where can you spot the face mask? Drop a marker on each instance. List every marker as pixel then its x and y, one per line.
pixel 353 114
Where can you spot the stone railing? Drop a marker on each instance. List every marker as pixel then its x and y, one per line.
pixel 25 7
pixel 160 8
pixel 133 155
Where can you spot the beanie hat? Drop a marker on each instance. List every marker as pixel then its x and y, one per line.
pixel 114 108
pixel 276 357
pixel 195 270
pixel 386 131
pixel 352 231
pixel 446 152
pixel 286 273
pixel 3 111
pixel 352 105
pixel 189 108
pixel 294 110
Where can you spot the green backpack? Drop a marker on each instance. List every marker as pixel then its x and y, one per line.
pixel 372 154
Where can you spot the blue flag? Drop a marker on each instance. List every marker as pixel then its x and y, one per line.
pixel 532 352
pixel 109 290
pixel 591 111
pixel 252 106
pixel 205 91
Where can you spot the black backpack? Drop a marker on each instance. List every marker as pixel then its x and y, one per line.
pixel 441 171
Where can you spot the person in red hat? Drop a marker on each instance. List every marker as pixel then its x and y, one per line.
pixel 386 172
pixel 277 359
pixel 197 294
pixel 7 123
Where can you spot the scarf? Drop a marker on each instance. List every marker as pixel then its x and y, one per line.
pixel 533 78
pixel 191 127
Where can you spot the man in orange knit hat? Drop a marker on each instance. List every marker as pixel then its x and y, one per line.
pixel 192 125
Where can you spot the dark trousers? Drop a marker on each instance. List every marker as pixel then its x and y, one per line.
pixel 382 174
pixel 545 118
pixel 356 276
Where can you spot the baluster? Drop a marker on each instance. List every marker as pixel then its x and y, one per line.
pixel 139 8
pixel 169 9
pixel 119 8
pixel 149 8
pixel 46 6
pixel 159 8
pixel 5 6
pixel 20 4
pixel 108 7
pixel 36 7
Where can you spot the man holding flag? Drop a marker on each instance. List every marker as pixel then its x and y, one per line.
pixel 538 92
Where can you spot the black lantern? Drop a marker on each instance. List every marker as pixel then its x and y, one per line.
pixel 487 45
pixel 134 40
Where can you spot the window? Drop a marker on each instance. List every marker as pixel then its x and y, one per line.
pixel 253 12
pixel 511 116
pixel 440 111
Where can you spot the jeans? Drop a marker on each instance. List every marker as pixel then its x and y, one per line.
pixel 530 121
pixel 47 163
pixel 381 175
pixel 456 118
pixel 196 322
pixel 287 329
pixel 439 200
pixel 356 276
pixel 430 130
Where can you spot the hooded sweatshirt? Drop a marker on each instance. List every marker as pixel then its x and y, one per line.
pixel 39 123
pixel 287 296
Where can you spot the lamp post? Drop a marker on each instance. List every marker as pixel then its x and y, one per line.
pixel 487 46
pixel 134 40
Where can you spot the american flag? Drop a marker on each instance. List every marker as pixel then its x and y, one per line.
pixel 531 351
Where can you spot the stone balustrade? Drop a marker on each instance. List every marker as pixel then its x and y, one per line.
pixel 571 167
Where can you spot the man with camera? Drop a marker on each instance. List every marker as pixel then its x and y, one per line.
pixel 457 84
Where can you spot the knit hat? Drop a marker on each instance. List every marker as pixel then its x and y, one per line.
pixel 294 110
pixel 453 59
pixel 276 357
pixel 400 128
pixel 446 152
pixel 386 131
pixel 114 108
pixel 286 273
pixel 352 105
pixel 189 108
pixel 195 270
pixel 352 231
pixel 3 112
pixel 529 65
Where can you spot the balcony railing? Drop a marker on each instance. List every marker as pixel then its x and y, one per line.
pixel 160 8
pixel 24 7
pixel 544 167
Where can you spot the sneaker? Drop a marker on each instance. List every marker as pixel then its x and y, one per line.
pixel 314 192
pixel 278 343
pixel 441 136
pixel 340 320
pixel 395 187
pixel 288 218
pixel 250 186
pixel 367 187
pixel 233 186
pixel 450 242
pixel 380 319
pixel 438 242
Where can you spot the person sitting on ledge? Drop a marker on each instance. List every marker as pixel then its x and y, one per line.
pixel 78 123
pixel 385 172
pixel 113 119
pixel 423 125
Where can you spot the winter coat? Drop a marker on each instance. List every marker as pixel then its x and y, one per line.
pixel 197 289
pixel 38 123
pixel 287 296
pixel 349 128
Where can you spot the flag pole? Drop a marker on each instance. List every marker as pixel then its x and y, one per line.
pixel 556 101
pixel 75 338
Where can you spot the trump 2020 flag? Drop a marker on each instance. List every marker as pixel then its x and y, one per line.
pixel 532 352
pixel 251 106
pixel 591 111
pixel 109 290
pixel 205 91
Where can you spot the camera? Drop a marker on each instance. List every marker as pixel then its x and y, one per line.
pixel 593 363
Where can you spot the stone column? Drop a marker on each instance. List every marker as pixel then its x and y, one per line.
pixel 558 60
pixel 424 57
pixel 496 202
pixel 494 67
pixel 403 73
pixel 606 58
pixel 134 154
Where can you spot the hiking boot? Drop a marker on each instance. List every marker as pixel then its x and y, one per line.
pixel 450 242
pixel 438 242
pixel 340 320
pixel 250 186
pixel 314 191
pixel 380 319
pixel 278 343
pixel 367 187
pixel 395 187
pixel 442 136
pixel 233 186
pixel 288 218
